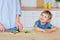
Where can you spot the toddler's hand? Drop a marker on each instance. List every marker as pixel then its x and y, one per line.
pixel 48 31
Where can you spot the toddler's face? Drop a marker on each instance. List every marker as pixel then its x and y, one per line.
pixel 44 17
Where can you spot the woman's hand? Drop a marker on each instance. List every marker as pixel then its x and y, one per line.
pixel 19 26
pixel 1 27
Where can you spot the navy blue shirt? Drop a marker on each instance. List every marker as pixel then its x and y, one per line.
pixel 46 26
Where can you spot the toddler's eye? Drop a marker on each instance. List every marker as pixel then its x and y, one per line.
pixel 45 17
pixel 41 15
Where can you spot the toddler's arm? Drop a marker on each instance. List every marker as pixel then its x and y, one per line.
pixel 38 29
pixel 51 30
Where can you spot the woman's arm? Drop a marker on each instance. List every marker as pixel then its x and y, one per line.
pixel 1 27
pixel 18 18
pixel 18 23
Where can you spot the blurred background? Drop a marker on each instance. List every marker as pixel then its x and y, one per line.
pixel 31 10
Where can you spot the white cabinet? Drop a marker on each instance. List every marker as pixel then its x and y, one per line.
pixel 28 3
pixel 28 18
pixel 56 19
